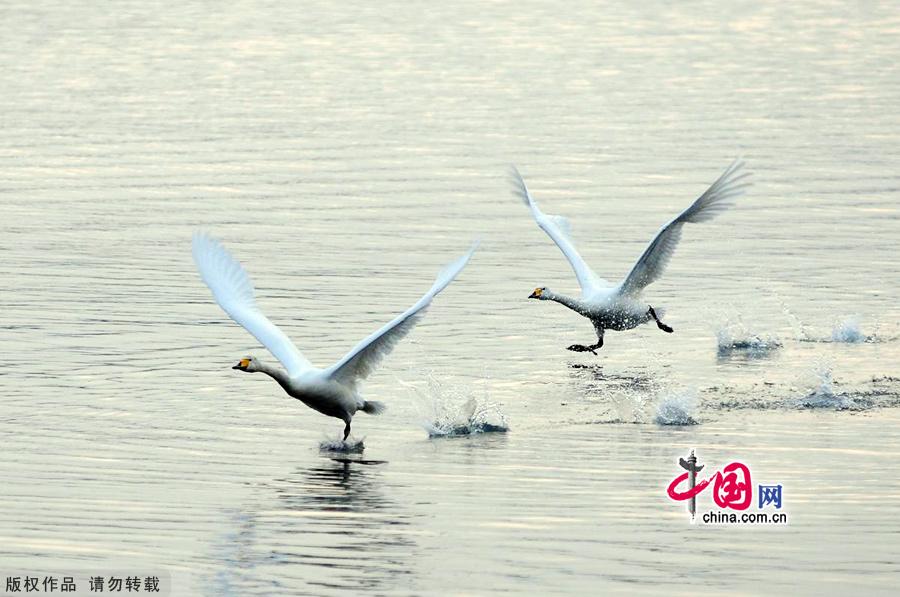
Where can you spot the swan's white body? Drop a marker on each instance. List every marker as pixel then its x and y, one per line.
pixel 620 306
pixel 332 391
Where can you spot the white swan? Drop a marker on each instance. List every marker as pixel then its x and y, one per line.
pixel 619 307
pixel 331 391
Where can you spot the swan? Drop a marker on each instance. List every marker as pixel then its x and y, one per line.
pixel 620 307
pixel 332 391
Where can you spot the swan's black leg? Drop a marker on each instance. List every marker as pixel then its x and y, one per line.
pixel 346 430
pixel 660 324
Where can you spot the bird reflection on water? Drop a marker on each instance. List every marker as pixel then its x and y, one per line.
pixel 333 525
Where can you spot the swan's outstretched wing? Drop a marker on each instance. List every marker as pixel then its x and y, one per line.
pixel 558 229
pixel 360 362
pixel 233 290
pixel 656 256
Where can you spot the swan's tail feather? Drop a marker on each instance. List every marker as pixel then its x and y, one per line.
pixel 373 407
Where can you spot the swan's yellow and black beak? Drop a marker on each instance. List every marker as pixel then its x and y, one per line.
pixel 242 366
pixel 537 293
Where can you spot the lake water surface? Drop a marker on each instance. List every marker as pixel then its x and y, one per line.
pixel 344 153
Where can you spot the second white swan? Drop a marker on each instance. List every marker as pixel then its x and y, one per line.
pixel 620 307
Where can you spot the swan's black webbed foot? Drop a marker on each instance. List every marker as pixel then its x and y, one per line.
pixel 346 430
pixel 580 348
pixel 660 324
pixel 583 348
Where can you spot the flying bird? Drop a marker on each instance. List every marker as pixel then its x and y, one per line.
pixel 620 307
pixel 333 391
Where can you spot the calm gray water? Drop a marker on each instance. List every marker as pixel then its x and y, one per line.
pixel 345 152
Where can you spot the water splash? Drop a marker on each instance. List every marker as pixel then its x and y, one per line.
pixel 848 331
pixel 339 446
pixel 456 410
pixel 825 394
pixel 844 331
pixel 630 405
pixel 734 337
pixel 470 418
pixel 677 408
pixel 635 397
pixel 800 329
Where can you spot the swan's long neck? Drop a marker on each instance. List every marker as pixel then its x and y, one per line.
pixel 562 299
pixel 277 374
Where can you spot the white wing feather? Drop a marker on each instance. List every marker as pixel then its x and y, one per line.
pixel 365 357
pixel 559 229
pixel 233 290
pixel 717 198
